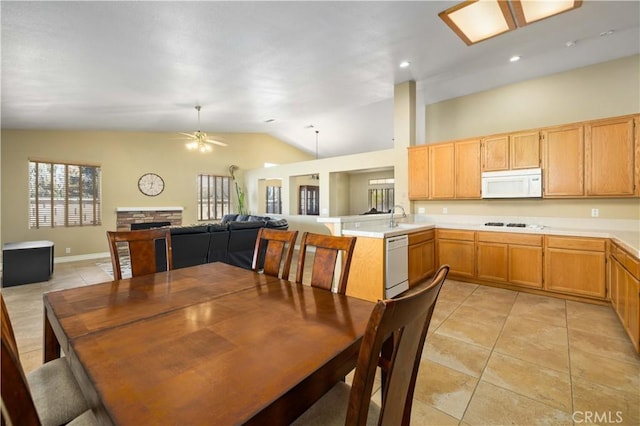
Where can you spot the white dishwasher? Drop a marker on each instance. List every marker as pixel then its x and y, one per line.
pixel 396 266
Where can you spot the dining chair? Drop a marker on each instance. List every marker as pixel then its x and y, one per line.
pixel 274 251
pixel 327 248
pixel 49 395
pixel 145 248
pixel 406 320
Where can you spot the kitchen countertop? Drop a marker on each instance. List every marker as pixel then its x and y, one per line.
pixel 624 232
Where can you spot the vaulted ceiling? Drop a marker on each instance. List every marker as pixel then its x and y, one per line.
pixel 143 66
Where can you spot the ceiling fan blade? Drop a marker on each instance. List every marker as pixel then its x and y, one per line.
pixel 215 142
pixel 188 135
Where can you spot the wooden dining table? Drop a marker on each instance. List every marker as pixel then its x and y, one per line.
pixel 212 344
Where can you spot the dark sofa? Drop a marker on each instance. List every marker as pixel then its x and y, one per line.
pixel 231 241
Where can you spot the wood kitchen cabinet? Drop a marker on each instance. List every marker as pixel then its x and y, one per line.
pixel 575 266
pixel 442 171
pixel 467 169
pixel 611 157
pixel 421 256
pixel 457 249
pixel 563 161
pixel 511 151
pixel 454 170
pixel 624 284
pixel 419 172
pixel 510 258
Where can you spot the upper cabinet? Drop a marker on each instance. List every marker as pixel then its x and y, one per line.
pixel 610 157
pixel 563 161
pixel 598 158
pixel 511 151
pixel 419 172
pixel 454 170
pixel 467 166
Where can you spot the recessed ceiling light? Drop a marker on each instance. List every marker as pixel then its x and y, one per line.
pixel 570 43
pixel 606 33
pixel 270 120
pixel 515 58
pixel 404 64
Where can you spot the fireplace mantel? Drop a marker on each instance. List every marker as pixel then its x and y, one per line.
pixel 149 209
pixel 125 216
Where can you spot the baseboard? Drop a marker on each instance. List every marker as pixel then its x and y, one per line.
pixel 65 259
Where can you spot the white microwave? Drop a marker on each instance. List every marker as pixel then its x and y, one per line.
pixel 525 183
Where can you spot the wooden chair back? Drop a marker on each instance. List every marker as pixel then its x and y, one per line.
pixel 274 251
pixel 402 323
pixel 325 259
pixel 142 250
pixel 17 404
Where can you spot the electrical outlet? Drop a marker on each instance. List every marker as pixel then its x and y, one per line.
pixel 421 210
pixel 357 224
pixel 595 212
pixel 445 210
pixel 67 250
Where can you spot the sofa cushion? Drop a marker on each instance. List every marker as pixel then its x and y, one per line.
pixel 246 225
pixel 278 223
pixel 218 227
pixel 189 229
pixel 257 218
pixel 229 217
pixel 242 218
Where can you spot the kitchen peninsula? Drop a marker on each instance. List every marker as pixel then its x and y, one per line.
pixel 589 260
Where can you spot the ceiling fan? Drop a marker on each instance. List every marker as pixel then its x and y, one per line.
pixel 199 140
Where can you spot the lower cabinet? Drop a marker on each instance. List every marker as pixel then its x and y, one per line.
pixel 421 256
pixel 624 282
pixel 510 258
pixel 457 249
pixel 575 266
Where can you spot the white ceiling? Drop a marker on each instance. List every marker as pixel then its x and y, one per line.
pixel 143 66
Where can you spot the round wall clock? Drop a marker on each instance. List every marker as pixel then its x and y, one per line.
pixel 151 184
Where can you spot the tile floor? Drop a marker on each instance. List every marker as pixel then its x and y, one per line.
pixel 492 356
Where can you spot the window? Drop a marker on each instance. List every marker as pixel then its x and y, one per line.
pixel 309 200
pixel 214 196
pixel 274 202
pixel 381 197
pixel 64 195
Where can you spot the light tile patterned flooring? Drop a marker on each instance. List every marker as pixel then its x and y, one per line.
pixel 492 356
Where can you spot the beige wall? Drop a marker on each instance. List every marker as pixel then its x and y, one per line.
pixel 598 91
pixel 123 156
pixel 603 90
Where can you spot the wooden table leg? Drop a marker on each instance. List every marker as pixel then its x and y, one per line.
pixel 51 349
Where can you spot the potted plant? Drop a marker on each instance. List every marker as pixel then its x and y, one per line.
pixel 239 191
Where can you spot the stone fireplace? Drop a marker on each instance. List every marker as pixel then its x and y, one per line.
pixel 125 216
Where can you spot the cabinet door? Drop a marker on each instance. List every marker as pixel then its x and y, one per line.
pixel 615 269
pixel 633 310
pixel 492 262
pixel 524 150
pixel 467 169
pixel 418 173
pixel 610 153
pixel 459 255
pixel 525 265
pixel 495 153
pixel 575 272
pixel 442 171
pixel 421 261
pixel 563 161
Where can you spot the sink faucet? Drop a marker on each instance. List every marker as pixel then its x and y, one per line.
pixel 392 222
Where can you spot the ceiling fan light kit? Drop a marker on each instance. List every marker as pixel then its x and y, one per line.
pixel 200 140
